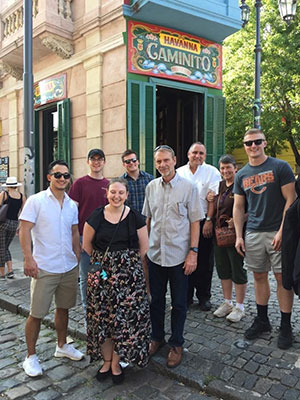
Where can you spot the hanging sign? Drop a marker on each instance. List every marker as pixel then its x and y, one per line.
pixel 166 53
pixel 50 90
pixel 4 168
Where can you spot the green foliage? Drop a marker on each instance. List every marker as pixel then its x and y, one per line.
pixel 280 80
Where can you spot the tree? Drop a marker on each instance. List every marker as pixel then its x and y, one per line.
pixel 280 80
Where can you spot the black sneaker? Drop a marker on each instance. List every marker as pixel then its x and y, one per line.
pixel 285 338
pixel 259 326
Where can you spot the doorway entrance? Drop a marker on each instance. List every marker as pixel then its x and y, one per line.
pixel 179 119
pixel 49 141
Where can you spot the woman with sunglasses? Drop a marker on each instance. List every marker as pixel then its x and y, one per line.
pixel 229 263
pixel 118 318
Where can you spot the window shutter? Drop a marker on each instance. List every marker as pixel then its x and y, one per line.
pixel 141 122
pixel 64 131
pixel 214 138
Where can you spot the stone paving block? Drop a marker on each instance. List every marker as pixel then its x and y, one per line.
pixel 8 384
pixel 47 395
pixel 59 373
pixel 277 390
pixel 6 362
pixel 251 367
pixel 18 392
pixel 239 378
pixel 227 374
pixel 39 384
pixel 289 380
pixel 176 392
pixel 291 394
pixel 263 370
pixel 259 358
pixel 7 372
pixel 263 385
pixel 71 383
pixel 250 381
pixel 7 338
pixel 239 363
pixel 50 364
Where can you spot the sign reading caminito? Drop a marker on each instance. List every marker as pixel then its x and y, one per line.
pixel 165 53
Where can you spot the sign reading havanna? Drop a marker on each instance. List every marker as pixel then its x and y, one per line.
pixel 163 52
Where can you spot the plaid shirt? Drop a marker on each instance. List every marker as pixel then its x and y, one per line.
pixel 137 189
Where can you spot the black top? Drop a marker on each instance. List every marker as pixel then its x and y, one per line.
pixel 126 236
pixel 14 206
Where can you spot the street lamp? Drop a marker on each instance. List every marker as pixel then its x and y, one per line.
pixel 287 10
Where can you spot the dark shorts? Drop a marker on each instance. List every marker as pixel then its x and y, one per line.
pixel 230 265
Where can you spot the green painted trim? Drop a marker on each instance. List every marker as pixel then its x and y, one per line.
pixel 215 92
pixel 178 85
pixel 137 77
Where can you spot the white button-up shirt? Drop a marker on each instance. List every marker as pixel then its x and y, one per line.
pixel 172 208
pixel 52 231
pixel 206 177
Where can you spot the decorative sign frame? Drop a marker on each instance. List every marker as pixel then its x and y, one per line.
pixel 4 168
pixel 167 53
pixel 50 90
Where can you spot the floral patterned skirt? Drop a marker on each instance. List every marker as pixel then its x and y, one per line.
pixel 118 307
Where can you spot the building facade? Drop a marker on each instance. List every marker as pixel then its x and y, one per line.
pixel 114 74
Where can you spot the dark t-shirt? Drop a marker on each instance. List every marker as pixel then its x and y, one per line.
pixel 90 193
pixel 224 200
pixel 261 185
pixel 126 236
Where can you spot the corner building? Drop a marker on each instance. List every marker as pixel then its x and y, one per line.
pixel 114 74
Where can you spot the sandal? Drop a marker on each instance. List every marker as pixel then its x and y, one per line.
pixel 118 379
pixel 10 275
pixel 103 375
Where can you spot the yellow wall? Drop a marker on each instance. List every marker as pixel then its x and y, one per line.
pixel 286 155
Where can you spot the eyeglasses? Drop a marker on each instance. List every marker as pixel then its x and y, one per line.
pixel 257 142
pixel 133 160
pixel 163 146
pixel 96 159
pixel 58 175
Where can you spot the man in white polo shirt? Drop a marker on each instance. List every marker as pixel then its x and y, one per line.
pixel 207 179
pixel 52 219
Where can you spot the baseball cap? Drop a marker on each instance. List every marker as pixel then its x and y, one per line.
pixel 96 152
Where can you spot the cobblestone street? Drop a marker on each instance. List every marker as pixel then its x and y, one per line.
pixel 216 359
pixel 70 379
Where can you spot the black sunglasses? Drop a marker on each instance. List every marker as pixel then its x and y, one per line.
pixel 257 142
pixel 58 175
pixel 130 160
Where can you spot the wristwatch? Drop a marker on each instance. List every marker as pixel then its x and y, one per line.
pixel 208 218
pixel 194 249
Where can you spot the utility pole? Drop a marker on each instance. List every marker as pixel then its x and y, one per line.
pixel 28 102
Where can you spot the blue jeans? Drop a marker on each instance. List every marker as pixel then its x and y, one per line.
pixel 159 278
pixel 84 269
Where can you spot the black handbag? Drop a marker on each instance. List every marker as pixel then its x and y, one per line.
pixel 3 211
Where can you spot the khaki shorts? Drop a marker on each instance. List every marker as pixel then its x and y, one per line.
pixel 47 284
pixel 260 254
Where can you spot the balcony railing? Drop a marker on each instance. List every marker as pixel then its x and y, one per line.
pixel 13 20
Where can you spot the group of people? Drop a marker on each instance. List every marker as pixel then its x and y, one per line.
pixel 138 234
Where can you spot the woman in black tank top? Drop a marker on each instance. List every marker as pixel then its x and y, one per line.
pixel 15 201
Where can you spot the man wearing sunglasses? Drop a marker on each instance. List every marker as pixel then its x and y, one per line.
pixel 268 186
pixel 207 178
pixel 51 217
pixel 137 180
pixel 89 192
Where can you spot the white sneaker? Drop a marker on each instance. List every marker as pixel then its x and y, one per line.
pixel 32 366
pixel 223 310
pixel 68 351
pixel 236 315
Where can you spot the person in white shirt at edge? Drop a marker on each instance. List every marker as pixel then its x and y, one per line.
pixel 52 219
pixel 207 179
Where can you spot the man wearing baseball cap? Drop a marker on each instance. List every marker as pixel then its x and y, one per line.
pixel 89 192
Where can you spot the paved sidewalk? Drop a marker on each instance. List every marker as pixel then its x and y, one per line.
pixel 217 359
